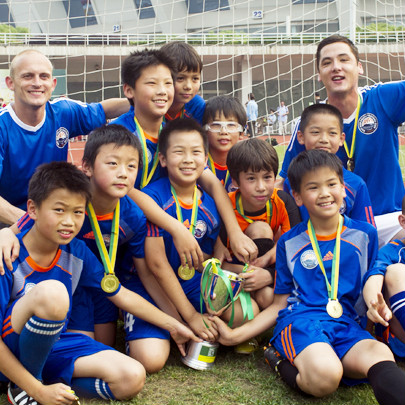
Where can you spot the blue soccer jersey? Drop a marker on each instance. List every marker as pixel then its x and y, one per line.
pixel 356 204
pixel 299 275
pixel 377 146
pixel 206 229
pixel 195 109
pixel 222 174
pixel 23 148
pixel 74 265
pixel 127 120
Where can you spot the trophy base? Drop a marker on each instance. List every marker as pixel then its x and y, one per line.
pixel 200 355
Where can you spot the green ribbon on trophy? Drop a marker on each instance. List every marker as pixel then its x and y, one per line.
pixel 221 288
pixel 334 307
pixel 186 272
pixel 110 282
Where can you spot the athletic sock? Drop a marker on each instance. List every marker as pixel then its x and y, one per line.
pixel 89 387
pixel 36 341
pixel 397 303
pixel 289 373
pixel 388 382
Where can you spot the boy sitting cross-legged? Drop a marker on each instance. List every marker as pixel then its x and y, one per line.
pixel 319 269
pixel 36 300
pixel 321 127
pixel 183 151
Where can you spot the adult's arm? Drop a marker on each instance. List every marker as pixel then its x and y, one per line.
pixel 114 107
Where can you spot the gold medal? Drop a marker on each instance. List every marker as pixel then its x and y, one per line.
pixel 109 283
pixel 350 164
pixel 334 309
pixel 185 272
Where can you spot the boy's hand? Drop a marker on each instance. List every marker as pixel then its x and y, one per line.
pixel 255 278
pixel 9 249
pixel 226 334
pixel 187 247
pixel 221 252
pixel 56 394
pixel 181 334
pixel 378 311
pixel 243 247
pixel 198 326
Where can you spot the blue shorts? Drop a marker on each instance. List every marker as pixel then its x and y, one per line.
pixel 89 307
pixel 302 332
pixel 137 328
pixel 383 334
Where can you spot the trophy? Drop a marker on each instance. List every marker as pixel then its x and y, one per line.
pixel 219 288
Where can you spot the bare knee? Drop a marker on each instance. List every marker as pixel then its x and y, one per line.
pixel 394 277
pixel 153 362
pixel 128 380
pixel 51 300
pixel 259 230
pixel 151 353
pixel 321 379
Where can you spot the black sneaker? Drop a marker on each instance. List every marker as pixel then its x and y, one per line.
pixel 272 358
pixel 17 396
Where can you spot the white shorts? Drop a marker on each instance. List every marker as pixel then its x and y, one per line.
pixel 387 227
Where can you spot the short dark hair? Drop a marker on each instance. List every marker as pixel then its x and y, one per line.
pixel 136 62
pixel 321 108
pixel 181 125
pixel 110 134
pixel 185 55
pixel 252 154
pixel 309 161
pixel 49 177
pixel 226 105
pixel 331 40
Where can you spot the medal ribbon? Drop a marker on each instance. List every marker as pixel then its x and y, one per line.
pixel 239 208
pixel 194 212
pixel 332 289
pixel 146 177
pixel 351 154
pixel 108 258
pixel 211 164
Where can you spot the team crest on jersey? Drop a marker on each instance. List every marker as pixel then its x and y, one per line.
pixel 62 137
pixel 368 123
pixel 28 287
pixel 200 229
pixel 308 259
pixel 343 207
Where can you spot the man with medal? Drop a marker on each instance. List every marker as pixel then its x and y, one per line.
pixel 320 264
pixel 372 115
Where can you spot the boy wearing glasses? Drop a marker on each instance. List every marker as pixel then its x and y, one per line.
pixel 224 120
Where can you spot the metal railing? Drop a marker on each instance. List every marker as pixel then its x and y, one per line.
pixel 197 39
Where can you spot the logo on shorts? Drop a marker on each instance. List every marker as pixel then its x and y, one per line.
pixel 200 229
pixel 343 207
pixel 308 259
pixel 62 137
pixel 368 123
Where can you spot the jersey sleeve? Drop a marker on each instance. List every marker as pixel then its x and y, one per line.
pixel 392 100
pixel 283 281
pixel 362 209
pixel 82 117
pixel 195 108
pixel 293 149
pixel 138 224
pixel 6 284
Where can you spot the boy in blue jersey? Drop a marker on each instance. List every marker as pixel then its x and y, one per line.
pixel 183 151
pixel 224 120
pixel 319 269
pixel 388 275
pixel 371 116
pixel 36 299
pixel 148 84
pixel 34 130
pixel 186 102
pixel 321 127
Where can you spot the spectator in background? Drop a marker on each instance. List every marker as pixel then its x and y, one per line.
pixel 282 112
pixel 252 112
